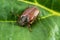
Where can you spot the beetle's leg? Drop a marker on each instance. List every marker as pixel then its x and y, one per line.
pixel 38 18
pixel 29 27
pixel 31 21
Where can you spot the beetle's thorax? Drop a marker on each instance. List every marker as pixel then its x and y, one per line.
pixel 23 20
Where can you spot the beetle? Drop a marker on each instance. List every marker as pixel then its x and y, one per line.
pixel 28 17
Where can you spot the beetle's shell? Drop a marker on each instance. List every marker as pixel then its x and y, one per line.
pixel 32 13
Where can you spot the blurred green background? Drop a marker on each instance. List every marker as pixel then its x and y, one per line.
pixel 46 28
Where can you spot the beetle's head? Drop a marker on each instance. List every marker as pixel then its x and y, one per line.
pixel 23 20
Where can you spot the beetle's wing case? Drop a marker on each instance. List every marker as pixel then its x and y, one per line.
pixel 36 12
pixel 29 10
pixel 33 14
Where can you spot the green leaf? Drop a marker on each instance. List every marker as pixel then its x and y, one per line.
pixel 45 28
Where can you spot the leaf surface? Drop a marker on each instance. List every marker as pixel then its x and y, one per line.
pixel 46 27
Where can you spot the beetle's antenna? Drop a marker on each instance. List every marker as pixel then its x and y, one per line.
pixel 29 27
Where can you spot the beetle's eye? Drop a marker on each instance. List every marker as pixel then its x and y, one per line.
pixel 24 19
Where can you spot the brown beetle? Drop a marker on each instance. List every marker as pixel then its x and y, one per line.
pixel 28 16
